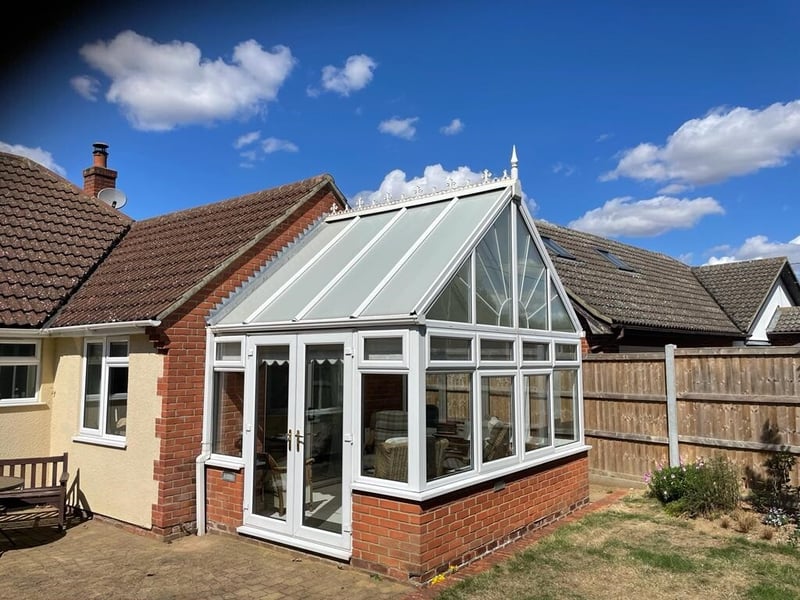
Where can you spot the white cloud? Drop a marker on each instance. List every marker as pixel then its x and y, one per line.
pixel 271 144
pixel 560 167
pixel 43 157
pixel 433 179
pixel 355 75
pixel 402 128
pixel 602 137
pixel 246 139
pixel 455 126
pixel 673 188
pixel 162 86
pixel 758 246
pixel 725 143
pixel 646 218
pixel 86 86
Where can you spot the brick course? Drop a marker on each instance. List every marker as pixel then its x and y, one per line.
pixel 413 541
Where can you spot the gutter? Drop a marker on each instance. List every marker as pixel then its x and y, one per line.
pixel 118 327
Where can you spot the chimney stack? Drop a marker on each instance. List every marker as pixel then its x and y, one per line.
pixel 99 176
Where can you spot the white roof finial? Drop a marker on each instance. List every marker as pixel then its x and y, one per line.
pixel 514 163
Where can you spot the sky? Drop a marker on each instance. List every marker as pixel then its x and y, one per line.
pixel 672 126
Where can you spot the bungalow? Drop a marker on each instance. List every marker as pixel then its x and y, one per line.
pixel 395 385
pixel 629 299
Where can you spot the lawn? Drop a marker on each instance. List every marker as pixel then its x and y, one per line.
pixel 633 549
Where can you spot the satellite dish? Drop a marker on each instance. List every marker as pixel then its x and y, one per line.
pixel 113 197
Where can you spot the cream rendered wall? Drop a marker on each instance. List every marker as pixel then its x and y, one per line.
pixel 115 482
pixel 24 429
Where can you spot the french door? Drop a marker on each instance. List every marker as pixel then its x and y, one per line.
pixel 298 440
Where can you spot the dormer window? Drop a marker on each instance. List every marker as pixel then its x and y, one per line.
pixel 557 248
pixel 615 260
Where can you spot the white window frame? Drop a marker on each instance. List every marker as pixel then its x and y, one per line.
pixel 478 433
pixel 548 362
pixel 506 363
pixel 229 365
pixel 449 333
pixel 381 364
pixel 34 360
pixel 99 435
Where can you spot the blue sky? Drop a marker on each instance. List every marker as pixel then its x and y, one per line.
pixel 674 126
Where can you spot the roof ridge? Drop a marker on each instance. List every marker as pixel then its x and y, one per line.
pixel 308 182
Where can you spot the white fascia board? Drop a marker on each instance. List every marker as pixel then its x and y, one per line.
pixel 361 322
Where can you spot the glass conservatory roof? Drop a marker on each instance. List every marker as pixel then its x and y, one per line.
pixel 372 263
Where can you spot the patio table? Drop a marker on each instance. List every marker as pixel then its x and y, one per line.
pixel 10 483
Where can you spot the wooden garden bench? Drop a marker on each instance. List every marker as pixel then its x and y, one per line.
pixel 42 481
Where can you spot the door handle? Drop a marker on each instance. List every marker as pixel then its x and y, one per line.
pixel 298 439
pixel 289 440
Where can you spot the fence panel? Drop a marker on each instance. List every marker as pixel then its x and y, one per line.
pixel 743 403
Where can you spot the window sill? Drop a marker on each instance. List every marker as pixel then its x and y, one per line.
pixel 225 462
pixel 18 402
pixel 99 441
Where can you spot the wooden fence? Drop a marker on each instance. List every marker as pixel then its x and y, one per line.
pixel 643 409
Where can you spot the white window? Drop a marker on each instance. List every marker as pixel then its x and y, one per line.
pixel 228 396
pixel 105 388
pixel 19 369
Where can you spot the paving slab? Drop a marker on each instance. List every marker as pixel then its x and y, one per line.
pixel 97 559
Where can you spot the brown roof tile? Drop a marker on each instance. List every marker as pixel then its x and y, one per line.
pixel 163 258
pixel 52 237
pixel 659 292
pixel 742 287
pixel 786 321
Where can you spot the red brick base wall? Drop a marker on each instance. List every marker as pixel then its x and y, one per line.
pixel 414 541
pixel 224 500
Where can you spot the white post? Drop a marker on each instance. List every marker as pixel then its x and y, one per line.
pixel 672 405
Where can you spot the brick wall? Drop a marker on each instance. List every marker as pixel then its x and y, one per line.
pixel 224 499
pixel 415 541
pixel 182 339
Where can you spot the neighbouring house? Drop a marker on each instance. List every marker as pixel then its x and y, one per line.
pixel 396 385
pixel 102 344
pixel 784 329
pixel 630 300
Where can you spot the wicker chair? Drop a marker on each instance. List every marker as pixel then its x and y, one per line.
pixel 276 474
pixel 497 444
pixel 391 459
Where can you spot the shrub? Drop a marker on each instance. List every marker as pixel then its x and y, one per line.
pixel 698 489
pixel 775 491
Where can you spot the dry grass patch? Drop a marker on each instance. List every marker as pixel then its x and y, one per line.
pixel 633 550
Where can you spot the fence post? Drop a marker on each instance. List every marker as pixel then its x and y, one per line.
pixel 672 405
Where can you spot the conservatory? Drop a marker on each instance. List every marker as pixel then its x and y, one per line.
pixel 400 388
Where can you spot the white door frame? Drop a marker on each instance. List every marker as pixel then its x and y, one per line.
pixel 291 530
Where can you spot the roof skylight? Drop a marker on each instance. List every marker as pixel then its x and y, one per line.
pixel 615 260
pixel 557 248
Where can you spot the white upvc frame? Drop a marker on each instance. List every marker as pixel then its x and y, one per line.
pixel 28 361
pixel 528 339
pixel 100 435
pixel 364 363
pixel 221 364
pixel 451 333
pixel 500 337
pixel 477 429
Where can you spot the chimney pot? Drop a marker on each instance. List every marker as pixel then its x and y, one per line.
pixel 100 154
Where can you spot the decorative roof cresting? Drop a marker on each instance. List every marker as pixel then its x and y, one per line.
pixel 451 185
